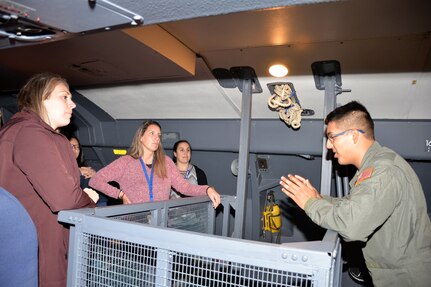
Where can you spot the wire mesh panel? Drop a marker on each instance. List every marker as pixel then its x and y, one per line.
pixel 139 217
pixel 191 217
pixel 192 270
pixel 152 245
pixel 105 261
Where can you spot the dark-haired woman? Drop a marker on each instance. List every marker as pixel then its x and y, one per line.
pixel 182 155
pixel 86 171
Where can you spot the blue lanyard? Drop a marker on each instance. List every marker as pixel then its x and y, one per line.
pixel 189 168
pixel 149 179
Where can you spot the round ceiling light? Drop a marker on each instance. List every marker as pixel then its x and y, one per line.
pixel 278 71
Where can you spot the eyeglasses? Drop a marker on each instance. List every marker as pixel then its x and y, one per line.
pixel 331 138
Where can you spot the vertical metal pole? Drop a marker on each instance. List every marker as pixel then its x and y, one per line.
pixel 244 147
pixel 255 201
pixel 163 267
pixel 328 105
pixel 72 273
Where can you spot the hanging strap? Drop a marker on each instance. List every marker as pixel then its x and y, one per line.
pixel 187 174
pixel 149 179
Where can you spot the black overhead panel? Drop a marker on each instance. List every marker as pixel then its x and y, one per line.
pixel 24 22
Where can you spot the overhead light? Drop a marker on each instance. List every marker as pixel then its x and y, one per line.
pixel 278 70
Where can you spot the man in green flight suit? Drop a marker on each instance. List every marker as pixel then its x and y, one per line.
pixel 386 207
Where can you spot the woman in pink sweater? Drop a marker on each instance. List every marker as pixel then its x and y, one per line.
pixel 147 174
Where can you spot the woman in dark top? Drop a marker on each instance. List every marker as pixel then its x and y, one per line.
pixel 86 171
pixel 182 154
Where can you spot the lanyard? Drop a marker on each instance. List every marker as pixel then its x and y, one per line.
pixel 189 168
pixel 149 179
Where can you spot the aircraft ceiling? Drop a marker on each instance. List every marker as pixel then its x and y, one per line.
pixel 383 47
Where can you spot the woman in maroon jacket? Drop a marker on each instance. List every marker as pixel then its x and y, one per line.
pixel 38 167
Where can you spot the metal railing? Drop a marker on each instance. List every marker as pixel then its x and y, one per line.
pixel 172 243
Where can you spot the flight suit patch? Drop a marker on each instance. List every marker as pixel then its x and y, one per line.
pixel 364 175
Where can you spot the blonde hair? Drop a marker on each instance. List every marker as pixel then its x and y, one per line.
pixel 136 150
pixel 37 89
